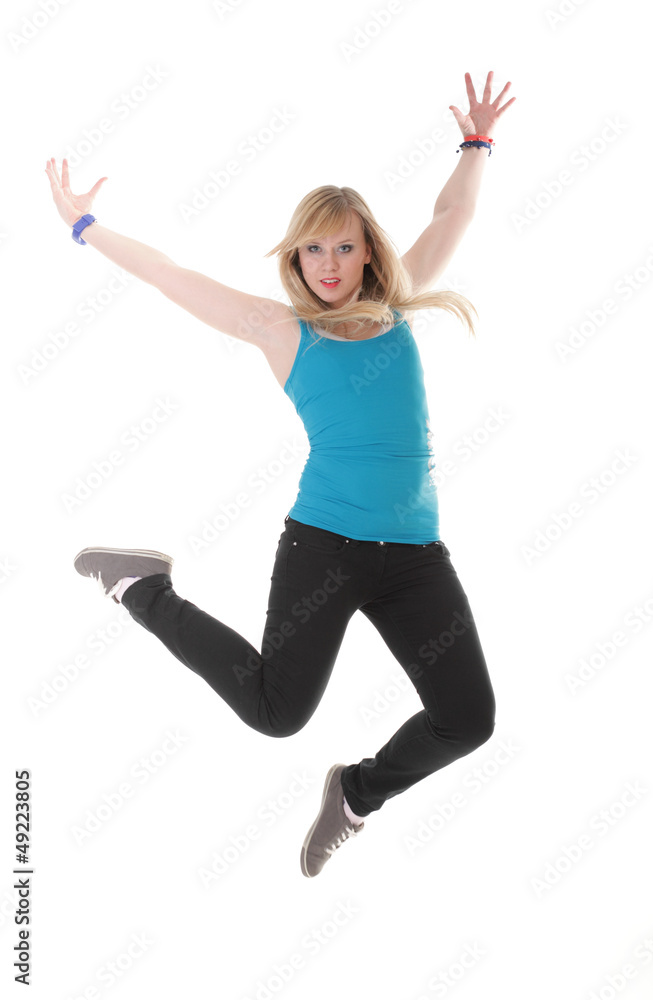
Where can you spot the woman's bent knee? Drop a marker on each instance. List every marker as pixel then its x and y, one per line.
pixel 281 728
pixel 477 733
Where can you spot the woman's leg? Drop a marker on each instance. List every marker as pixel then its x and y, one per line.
pixel 423 614
pixel 277 689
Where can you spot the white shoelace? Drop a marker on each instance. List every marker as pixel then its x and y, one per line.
pixel 98 578
pixel 340 839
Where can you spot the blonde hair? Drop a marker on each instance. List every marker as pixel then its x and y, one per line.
pixel 386 285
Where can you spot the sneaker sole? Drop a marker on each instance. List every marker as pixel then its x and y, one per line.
pixel 136 552
pixel 308 836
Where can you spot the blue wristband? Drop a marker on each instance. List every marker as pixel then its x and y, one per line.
pixel 478 143
pixel 82 224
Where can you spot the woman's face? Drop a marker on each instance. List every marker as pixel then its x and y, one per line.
pixel 343 257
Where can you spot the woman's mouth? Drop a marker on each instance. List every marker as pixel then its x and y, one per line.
pixel 330 282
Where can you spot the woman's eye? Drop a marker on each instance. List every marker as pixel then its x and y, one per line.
pixel 313 246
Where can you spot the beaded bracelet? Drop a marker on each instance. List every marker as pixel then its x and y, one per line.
pixel 477 141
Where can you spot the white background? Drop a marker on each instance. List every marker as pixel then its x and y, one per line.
pixel 539 260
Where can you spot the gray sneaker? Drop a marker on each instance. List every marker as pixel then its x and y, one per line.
pixel 109 566
pixel 330 829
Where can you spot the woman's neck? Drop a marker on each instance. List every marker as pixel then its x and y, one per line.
pixel 348 328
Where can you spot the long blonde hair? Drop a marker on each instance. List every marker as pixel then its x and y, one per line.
pixel 386 285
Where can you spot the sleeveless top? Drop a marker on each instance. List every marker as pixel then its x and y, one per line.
pixel 363 405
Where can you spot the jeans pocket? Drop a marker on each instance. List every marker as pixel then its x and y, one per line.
pixel 314 539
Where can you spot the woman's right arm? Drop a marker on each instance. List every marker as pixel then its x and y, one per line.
pixel 236 313
pixel 140 260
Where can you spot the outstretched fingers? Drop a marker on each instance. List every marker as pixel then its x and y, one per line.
pixel 471 93
pixel 55 172
pixel 507 104
pixel 51 171
pixel 488 87
pixel 62 184
pixel 96 187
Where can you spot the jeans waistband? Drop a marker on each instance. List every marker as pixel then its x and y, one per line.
pixel 438 543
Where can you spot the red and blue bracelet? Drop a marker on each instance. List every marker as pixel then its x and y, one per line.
pixel 478 141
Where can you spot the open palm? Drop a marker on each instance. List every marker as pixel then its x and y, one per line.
pixel 483 115
pixel 70 206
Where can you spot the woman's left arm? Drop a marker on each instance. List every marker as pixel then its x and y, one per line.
pixel 462 189
pixel 463 186
pixel 428 257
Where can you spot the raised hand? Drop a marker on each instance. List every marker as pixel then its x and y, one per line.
pixel 70 206
pixel 483 116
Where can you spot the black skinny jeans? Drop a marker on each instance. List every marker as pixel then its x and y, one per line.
pixel 410 593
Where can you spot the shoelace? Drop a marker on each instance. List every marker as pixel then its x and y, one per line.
pixel 340 839
pixel 105 592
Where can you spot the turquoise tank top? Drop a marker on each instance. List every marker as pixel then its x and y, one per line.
pixel 363 405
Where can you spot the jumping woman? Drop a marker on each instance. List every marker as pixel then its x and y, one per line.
pixel 363 533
